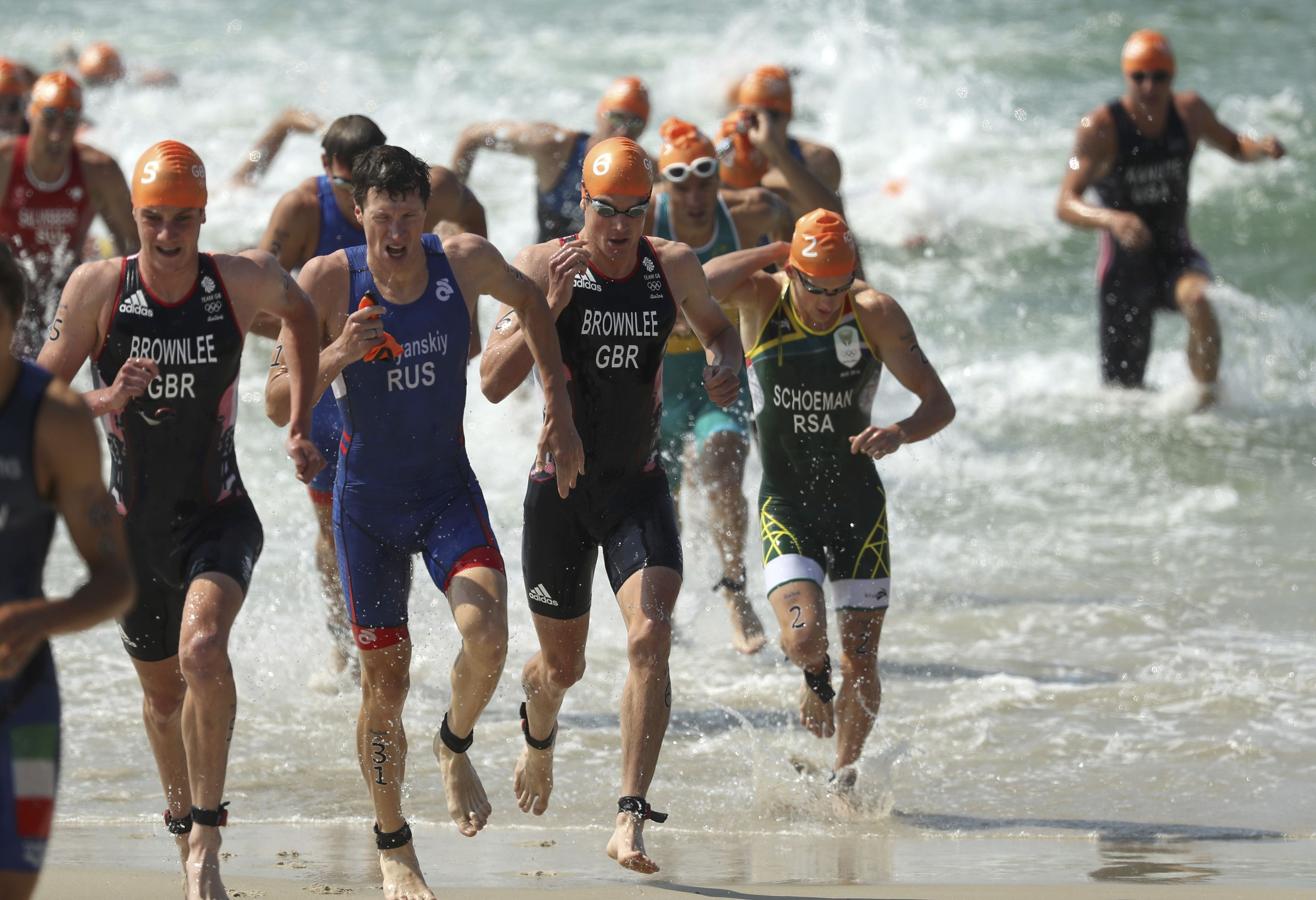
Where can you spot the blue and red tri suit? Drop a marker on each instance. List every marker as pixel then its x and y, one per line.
pixel 404 483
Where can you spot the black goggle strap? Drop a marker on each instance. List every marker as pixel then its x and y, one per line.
pixel 640 809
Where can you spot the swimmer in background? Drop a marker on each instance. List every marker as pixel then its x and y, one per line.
pixel 1136 151
pixel 557 152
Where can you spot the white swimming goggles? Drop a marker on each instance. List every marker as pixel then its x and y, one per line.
pixel 704 167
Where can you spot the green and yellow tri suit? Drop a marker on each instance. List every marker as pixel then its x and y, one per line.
pixel 821 508
pixel 686 407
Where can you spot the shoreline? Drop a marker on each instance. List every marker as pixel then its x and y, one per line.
pixel 288 860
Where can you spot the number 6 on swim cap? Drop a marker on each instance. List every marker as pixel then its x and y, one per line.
pixel 169 174
pixel 617 167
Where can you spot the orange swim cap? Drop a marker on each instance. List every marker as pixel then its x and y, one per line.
pixel 169 174
pixel 767 87
pixel 1147 51
pixel 626 95
pixel 13 79
pixel 100 64
pixel 54 90
pixel 823 246
pixel 742 165
pixel 683 143
pixel 617 167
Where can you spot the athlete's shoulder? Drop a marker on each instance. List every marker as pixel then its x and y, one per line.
pixel 93 157
pixel 95 281
pixel 672 253
pixel 305 194
pixel 1190 103
pixel 466 245
pixel 7 147
pixel 874 305
pixel 247 268
pixel 1097 118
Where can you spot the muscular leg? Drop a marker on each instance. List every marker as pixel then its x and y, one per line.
pixel 478 598
pixel 860 695
pixel 210 708
pixel 163 689
pixel 802 615
pixel 382 753
pixel 548 674
pixel 722 467
pixel 1203 330
pixel 646 600
pixel 17 885
pixel 326 561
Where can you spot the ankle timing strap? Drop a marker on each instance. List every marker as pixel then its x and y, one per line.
pixel 451 741
pixel 820 682
pixel 546 743
pixel 178 826
pixel 734 584
pixel 640 809
pixel 214 818
pixel 391 840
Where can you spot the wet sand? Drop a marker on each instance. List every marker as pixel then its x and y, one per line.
pixel 296 860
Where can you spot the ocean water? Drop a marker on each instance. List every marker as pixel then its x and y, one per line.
pixel 1104 614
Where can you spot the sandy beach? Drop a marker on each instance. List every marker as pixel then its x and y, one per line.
pixel 295 860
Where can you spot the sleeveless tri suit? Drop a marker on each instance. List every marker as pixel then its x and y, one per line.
pixel 612 335
pixel 337 232
pixel 558 209
pixel 822 509
pixel 173 465
pixel 45 226
pixel 687 410
pixel 1150 179
pixel 29 702
pixel 404 483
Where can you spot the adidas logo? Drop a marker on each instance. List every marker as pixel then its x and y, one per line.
pixel 539 593
pixel 135 304
pixel 587 281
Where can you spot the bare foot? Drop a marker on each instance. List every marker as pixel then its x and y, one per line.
pixel 402 877
pixel 627 845
pixel 202 871
pixel 815 715
pixel 1207 396
pixel 467 803
pixel 845 798
pixel 533 780
pixel 746 629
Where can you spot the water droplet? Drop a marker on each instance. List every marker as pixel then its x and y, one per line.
pixel 234 26
pixel 1073 163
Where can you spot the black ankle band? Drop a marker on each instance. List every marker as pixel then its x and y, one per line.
pixel 820 682
pixel 735 584
pixel 214 818
pixel 546 743
pixel 640 808
pixel 391 840
pixel 451 741
pixel 178 826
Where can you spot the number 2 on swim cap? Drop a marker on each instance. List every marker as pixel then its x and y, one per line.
pixel 603 164
pixel 811 247
pixel 149 170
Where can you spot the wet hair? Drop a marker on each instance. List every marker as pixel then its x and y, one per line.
pixel 350 136
pixel 392 171
pixel 13 286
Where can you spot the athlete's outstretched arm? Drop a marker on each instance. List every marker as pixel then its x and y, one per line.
pixel 75 333
pixel 891 335
pixel 543 142
pixel 261 156
pixel 722 348
pixel 1226 140
pixel 68 460
pixel 507 359
pixel 483 267
pixel 729 271
pixel 453 205
pixel 273 291
pixel 1095 148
